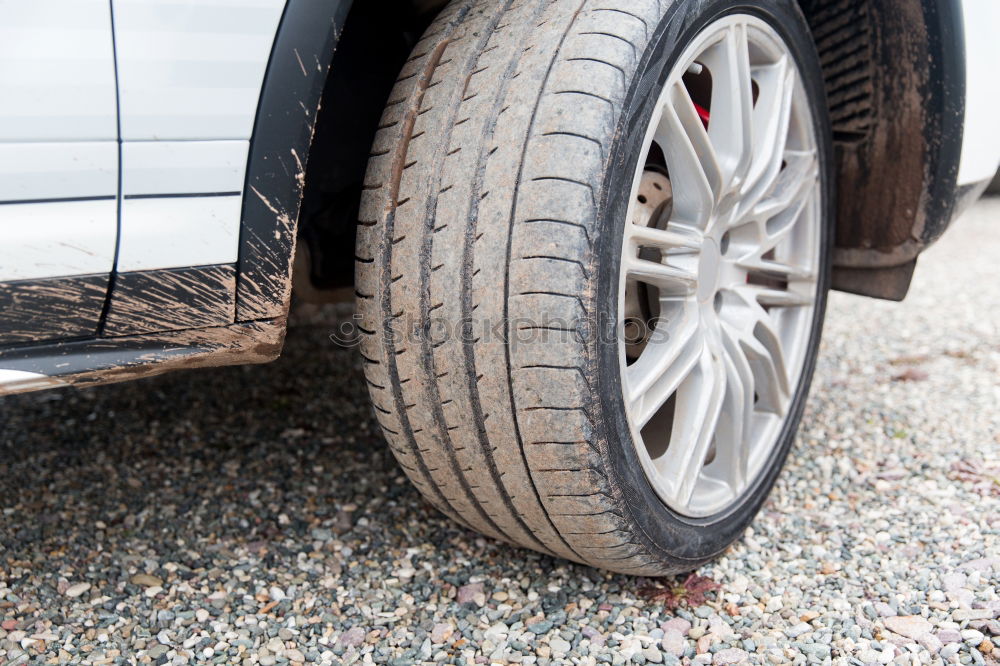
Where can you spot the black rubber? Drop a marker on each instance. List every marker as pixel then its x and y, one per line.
pixel 488 253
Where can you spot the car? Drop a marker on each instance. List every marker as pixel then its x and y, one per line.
pixel 589 241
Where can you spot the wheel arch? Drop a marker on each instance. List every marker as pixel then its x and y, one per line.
pixel 374 40
pixel 296 75
pixel 895 77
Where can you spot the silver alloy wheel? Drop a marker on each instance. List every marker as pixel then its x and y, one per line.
pixel 720 265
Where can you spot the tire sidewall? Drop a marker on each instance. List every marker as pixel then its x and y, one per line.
pixel 668 534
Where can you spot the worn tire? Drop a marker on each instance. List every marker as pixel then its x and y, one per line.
pixel 488 212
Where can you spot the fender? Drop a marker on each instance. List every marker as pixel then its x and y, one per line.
pixel 279 152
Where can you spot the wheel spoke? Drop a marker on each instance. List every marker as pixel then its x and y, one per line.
pixel 793 186
pixel 733 437
pixel 771 119
pixel 756 332
pixel 643 236
pixel 699 406
pixel 660 369
pixel 780 298
pixel 731 126
pixel 671 279
pixel 779 269
pixel 691 160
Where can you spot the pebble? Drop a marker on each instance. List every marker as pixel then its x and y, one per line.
pixel 595 637
pixel 441 632
pixel 147 580
pixel 77 589
pixel 471 594
pixel 559 646
pixel 652 655
pixel 703 611
pixel 157 651
pixel 818 651
pixel 930 642
pixel 673 643
pixel 353 637
pixel 677 624
pixel 972 636
pixel 949 636
pixel 730 656
pixel 950 650
pixel 542 627
pixel 911 626
pixel 798 629
pixel 884 609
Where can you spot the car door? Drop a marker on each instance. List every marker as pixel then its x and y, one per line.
pixel 58 167
pixel 189 75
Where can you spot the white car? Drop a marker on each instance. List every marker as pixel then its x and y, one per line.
pixel 590 240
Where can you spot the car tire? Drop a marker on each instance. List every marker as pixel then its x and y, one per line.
pixel 490 269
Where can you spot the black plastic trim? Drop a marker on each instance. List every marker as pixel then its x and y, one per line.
pixel 71 357
pixel 279 149
pixel 945 128
pixel 51 308
pixel 181 195
pixel 171 299
pixel 101 197
pixel 893 206
pixel 890 283
pixel 119 180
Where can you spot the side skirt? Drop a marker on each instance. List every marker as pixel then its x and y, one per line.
pixel 88 362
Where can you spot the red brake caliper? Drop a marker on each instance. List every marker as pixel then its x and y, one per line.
pixel 702 113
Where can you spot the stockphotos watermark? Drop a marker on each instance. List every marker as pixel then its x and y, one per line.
pixel 551 330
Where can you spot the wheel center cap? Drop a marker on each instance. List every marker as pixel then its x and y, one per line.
pixel 709 265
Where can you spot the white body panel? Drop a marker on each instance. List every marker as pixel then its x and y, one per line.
pixel 190 74
pixel 58 138
pixel 57 73
pixel 192 69
pixel 183 167
pixel 42 240
pixel 173 232
pixel 189 77
pixel 981 143
pixel 71 169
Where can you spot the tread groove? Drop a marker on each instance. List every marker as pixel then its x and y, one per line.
pixel 386 298
pixel 467 276
pixel 506 283
pixel 433 388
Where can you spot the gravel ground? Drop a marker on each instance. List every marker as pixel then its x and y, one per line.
pixel 253 515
